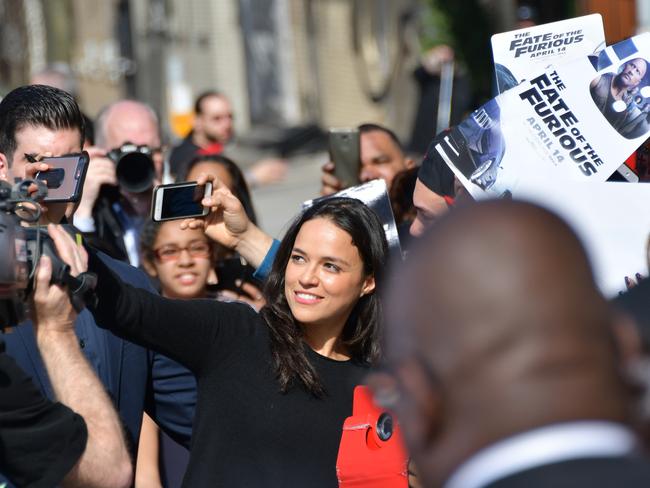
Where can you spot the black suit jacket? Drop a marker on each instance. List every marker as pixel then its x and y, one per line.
pixel 108 236
pixel 617 472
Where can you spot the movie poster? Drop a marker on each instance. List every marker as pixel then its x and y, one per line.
pixel 578 120
pixel 520 53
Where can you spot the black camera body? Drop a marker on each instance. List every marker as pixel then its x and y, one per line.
pixel 21 248
pixel 134 167
pixel 14 270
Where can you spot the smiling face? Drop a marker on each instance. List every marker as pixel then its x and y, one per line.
pixel 324 277
pixel 182 261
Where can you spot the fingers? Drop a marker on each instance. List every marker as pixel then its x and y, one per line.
pixel 248 294
pixel 328 167
pixel 71 253
pixel 43 276
pixel 94 151
pixel 31 169
pixel 192 224
pixel 222 197
pixel 251 290
pixel 102 171
pixel 203 178
pixel 329 183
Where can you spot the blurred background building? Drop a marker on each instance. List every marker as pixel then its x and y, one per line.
pixel 283 63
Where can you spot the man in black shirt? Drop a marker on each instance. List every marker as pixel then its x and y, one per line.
pixel 43 444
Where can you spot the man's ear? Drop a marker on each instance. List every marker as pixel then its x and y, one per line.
pixel 420 409
pixel 4 168
pixel 409 163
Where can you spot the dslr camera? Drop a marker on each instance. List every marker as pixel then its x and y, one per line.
pixel 134 167
pixel 20 250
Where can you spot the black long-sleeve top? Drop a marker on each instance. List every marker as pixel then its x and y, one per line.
pixel 246 432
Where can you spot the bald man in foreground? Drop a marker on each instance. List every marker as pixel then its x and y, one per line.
pixel 504 367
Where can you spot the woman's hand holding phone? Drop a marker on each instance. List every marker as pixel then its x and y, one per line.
pixel 228 224
pixel 249 293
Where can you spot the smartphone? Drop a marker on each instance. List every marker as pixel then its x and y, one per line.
pixel 232 270
pixel 179 201
pixel 65 178
pixel 344 149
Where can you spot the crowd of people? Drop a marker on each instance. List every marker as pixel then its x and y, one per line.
pixel 490 341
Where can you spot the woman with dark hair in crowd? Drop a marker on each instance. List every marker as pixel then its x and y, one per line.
pixel 273 388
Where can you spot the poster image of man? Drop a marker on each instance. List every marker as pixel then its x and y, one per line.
pixel 624 97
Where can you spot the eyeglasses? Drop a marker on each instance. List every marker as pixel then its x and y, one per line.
pixel 173 253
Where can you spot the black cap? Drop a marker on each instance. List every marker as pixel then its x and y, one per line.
pixel 434 172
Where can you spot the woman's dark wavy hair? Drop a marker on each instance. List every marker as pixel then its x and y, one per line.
pixel 240 188
pixel 361 332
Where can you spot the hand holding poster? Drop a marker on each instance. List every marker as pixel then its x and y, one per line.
pixel 519 53
pixel 577 120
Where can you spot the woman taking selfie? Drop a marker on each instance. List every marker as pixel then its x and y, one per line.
pixel 273 388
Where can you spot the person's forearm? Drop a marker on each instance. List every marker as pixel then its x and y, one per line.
pixel 254 245
pixel 147 470
pixel 152 321
pixel 106 460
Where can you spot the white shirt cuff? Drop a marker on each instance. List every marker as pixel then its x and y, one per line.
pixel 84 224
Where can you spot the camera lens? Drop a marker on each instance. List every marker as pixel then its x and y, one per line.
pixel 385 426
pixel 135 172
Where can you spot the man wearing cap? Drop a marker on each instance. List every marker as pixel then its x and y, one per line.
pixel 435 190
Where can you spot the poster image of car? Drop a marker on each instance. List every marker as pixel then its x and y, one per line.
pixel 476 146
pixel 546 127
pixel 519 53
pixel 624 97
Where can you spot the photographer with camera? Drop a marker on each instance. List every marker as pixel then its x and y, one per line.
pixel 79 441
pixel 125 166
pixel 37 120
